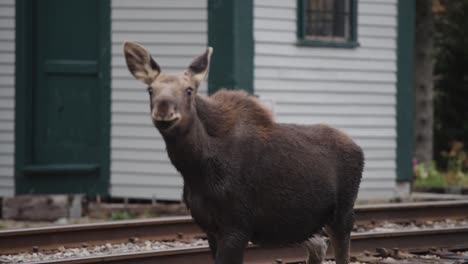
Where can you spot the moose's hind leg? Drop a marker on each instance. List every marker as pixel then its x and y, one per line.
pixel 340 234
pixel 230 248
pixel 316 249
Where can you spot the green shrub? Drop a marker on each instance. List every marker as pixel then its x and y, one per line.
pixel 456 173
pixel 121 215
pixel 427 175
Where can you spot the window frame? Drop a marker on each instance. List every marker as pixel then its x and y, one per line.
pixel 302 40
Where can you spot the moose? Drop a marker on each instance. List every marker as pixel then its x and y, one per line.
pixel 246 177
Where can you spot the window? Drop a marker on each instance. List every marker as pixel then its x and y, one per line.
pixel 327 23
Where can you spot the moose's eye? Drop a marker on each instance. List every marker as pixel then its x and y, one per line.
pixel 150 90
pixel 189 90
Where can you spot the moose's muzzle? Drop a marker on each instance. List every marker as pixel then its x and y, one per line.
pixel 165 114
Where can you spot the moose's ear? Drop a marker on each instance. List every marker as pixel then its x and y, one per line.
pixel 200 65
pixel 140 63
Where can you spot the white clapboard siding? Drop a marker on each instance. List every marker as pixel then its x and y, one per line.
pixel 352 89
pixel 174 32
pixel 7 97
pixel 287 50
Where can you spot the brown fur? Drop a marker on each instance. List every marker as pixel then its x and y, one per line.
pixel 232 112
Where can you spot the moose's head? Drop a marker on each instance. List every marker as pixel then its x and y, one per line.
pixel 172 96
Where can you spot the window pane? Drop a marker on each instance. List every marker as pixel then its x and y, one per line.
pixel 327 19
pixel 339 18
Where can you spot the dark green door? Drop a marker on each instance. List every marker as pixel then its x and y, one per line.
pixel 69 149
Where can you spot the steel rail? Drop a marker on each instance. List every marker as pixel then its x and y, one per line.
pixel 405 240
pixel 51 237
pixel 435 210
pixel 12 241
pixel 453 237
pixel 195 255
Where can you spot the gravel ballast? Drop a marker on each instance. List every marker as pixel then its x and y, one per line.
pixel 100 250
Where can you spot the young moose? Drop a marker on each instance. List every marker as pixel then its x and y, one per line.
pixel 247 178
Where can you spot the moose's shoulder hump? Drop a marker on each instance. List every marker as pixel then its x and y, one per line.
pixel 243 104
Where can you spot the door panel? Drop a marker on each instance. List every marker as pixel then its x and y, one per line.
pixel 67 130
pixel 69 142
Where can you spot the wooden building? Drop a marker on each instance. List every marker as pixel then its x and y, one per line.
pixel 73 120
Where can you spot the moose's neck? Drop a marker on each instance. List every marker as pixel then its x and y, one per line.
pixel 189 146
pixel 208 123
pixel 215 119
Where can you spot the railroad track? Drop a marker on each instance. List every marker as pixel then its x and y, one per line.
pixel 411 241
pixel 44 238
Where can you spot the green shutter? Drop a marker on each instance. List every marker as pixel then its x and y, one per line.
pixel 230 33
pixel 405 82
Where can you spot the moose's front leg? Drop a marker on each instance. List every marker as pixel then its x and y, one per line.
pixel 231 248
pixel 213 244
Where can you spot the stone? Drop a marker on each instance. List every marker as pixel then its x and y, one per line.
pixel 75 209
